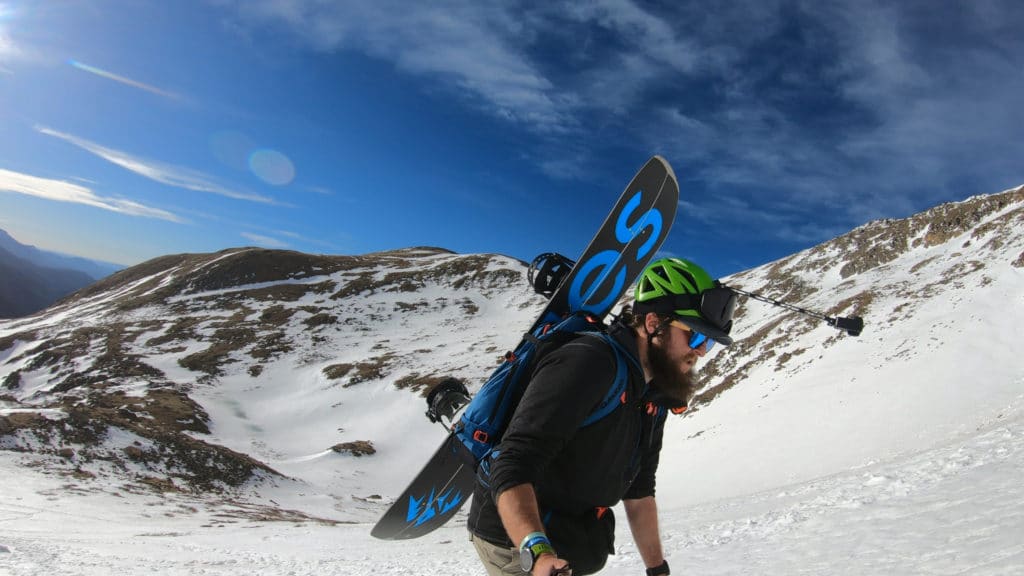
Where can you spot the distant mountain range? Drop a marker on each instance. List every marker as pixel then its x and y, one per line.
pixel 33 279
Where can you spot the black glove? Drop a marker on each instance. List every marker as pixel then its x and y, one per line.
pixel 661 570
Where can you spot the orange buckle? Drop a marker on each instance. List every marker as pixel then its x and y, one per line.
pixel 481 436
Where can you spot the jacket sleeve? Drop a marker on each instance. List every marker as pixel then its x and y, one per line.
pixel 566 386
pixel 645 482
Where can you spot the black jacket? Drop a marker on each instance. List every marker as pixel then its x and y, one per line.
pixel 573 469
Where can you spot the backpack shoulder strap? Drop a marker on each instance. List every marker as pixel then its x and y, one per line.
pixel 616 395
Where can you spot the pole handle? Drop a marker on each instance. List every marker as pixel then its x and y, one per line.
pixel 853 325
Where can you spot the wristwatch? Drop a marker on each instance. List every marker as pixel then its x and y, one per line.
pixel 531 548
pixel 661 570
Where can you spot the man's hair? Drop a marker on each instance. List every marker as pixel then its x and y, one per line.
pixel 637 320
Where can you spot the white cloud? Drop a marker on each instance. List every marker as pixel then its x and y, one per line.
pixel 8 50
pixel 475 48
pixel 651 36
pixel 854 110
pixel 61 191
pixel 176 176
pixel 266 241
pixel 13 47
pixel 123 80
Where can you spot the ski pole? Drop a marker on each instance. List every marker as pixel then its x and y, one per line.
pixel 853 325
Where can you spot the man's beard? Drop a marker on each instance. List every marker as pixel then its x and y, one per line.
pixel 667 374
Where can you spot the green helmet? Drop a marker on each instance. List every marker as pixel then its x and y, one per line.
pixel 680 288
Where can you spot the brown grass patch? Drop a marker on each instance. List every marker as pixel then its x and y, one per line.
pixel 419 383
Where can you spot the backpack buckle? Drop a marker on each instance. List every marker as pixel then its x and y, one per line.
pixel 481 436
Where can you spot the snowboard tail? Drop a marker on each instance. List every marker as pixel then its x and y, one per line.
pixel 433 497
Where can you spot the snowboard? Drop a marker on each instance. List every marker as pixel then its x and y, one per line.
pixel 631 235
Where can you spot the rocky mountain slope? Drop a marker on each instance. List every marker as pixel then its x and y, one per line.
pixel 942 295
pixel 249 369
pixel 107 379
pixel 886 271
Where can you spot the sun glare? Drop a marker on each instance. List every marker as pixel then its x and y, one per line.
pixel 7 47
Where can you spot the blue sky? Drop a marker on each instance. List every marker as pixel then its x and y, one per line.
pixel 133 129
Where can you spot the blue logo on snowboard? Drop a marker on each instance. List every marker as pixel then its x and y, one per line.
pixel 607 261
pixel 423 509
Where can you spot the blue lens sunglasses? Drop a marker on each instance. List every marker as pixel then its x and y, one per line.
pixel 696 338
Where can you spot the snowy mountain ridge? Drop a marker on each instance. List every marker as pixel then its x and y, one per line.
pixel 942 294
pixel 136 351
pixel 232 389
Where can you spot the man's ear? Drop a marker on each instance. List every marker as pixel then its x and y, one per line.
pixel 652 324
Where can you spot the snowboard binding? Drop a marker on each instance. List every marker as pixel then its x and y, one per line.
pixel 548 271
pixel 446 399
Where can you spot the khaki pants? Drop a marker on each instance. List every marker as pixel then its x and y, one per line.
pixel 498 560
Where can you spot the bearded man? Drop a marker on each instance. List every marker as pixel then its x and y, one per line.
pixel 542 499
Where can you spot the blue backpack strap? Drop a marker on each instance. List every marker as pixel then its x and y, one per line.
pixel 613 399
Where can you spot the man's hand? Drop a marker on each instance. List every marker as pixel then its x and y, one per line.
pixel 548 565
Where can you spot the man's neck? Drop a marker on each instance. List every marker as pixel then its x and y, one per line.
pixel 641 350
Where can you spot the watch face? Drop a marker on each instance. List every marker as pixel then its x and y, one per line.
pixel 526 560
pixel 528 556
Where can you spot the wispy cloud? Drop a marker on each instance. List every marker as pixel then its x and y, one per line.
pixel 61 191
pixel 284 239
pixel 263 240
pixel 474 47
pixel 123 80
pixel 837 111
pixel 840 113
pixel 8 50
pixel 322 190
pixel 14 48
pixel 176 176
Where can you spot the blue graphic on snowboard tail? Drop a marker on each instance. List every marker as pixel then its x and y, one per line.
pixel 423 509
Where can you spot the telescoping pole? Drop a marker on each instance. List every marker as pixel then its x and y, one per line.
pixel 852 325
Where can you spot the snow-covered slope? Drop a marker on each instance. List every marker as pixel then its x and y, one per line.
pixel 943 297
pixel 239 413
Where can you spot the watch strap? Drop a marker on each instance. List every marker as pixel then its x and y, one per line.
pixel 660 570
pixel 535 544
pixel 530 537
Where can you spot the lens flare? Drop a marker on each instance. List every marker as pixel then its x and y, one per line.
pixel 231 148
pixel 272 167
